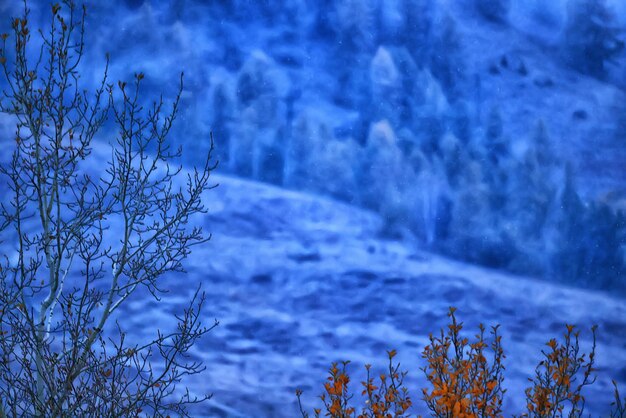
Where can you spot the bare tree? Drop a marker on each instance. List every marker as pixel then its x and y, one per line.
pixel 79 241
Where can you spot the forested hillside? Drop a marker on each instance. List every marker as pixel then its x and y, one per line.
pixel 490 131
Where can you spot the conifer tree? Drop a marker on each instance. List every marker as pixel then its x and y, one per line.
pixel 567 260
pixel 532 190
pixel 495 10
pixel 604 263
pixel 447 58
pixel 355 25
pixel 418 28
pixel 591 37
pixel 496 160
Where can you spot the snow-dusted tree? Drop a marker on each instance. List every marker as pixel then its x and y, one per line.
pixel 569 252
pixel 495 10
pixel 242 144
pixel 408 23
pixel 460 121
pixel 354 44
pixel 389 21
pixel 308 133
pixel 243 9
pixel 322 21
pixel 473 235
pixel 355 25
pixel 547 12
pixel 381 167
pixel 386 87
pixel 257 148
pixel 418 28
pixel 496 160
pixel 447 60
pixel 409 85
pixel 591 37
pixel 453 158
pixel 589 241
pixel 533 186
pixel 335 165
pixel 542 149
pixel 222 119
pixel 604 264
pixel 431 107
pixel 494 130
pixel 84 236
pixel 294 13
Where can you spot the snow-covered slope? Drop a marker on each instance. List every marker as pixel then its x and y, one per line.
pixel 522 73
pixel 299 281
pixel 424 111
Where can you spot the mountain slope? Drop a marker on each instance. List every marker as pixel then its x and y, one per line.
pixel 299 281
pixel 424 127
pixel 521 72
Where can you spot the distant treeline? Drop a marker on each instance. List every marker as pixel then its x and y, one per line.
pixel 372 102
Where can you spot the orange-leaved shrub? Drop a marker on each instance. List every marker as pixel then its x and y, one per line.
pixel 555 390
pixel 466 381
pixel 386 398
pixel 618 409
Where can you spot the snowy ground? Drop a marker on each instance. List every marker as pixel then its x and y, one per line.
pixel 299 281
pixel 523 75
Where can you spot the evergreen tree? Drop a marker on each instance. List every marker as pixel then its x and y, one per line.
pixel 567 259
pixel 430 210
pixel 322 23
pixel 417 29
pixel 316 161
pixel 475 232
pixel 355 42
pixel 496 160
pixel 294 14
pixel 242 143
pixel 389 20
pixel 386 87
pixel 429 113
pixel 447 61
pixel 223 116
pixel 335 165
pixel 408 85
pixel 496 146
pixel 257 148
pixel 532 189
pixel 547 13
pixel 590 242
pixel 494 10
pixel 542 148
pixel 355 25
pixel 460 121
pixel 604 240
pixel 454 158
pixel 381 167
pixel 591 38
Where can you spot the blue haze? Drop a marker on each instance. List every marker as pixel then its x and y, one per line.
pixel 444 148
